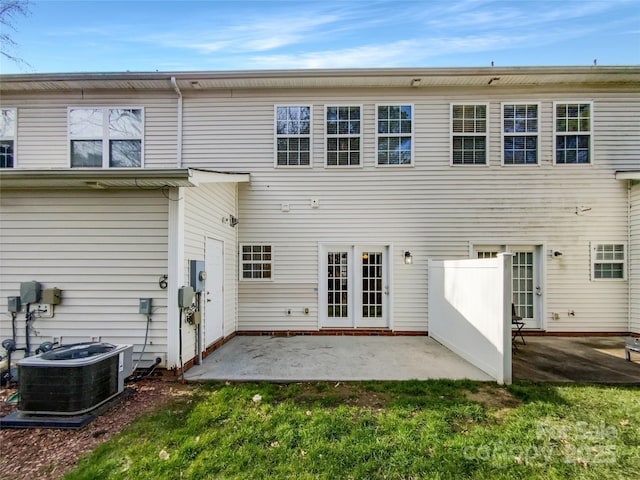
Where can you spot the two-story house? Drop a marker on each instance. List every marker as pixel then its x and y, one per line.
pixel 314 199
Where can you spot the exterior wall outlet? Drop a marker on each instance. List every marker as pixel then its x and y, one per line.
pixel 555 316
pixel 284 207
pixel 315 203
pixel 306 310
pixel 43 310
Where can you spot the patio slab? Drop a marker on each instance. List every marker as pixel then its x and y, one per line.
pixel 575 359
pixel 333 358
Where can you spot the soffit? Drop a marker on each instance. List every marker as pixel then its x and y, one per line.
pixel 114 178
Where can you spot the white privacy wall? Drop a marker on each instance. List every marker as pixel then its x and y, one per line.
pixel 470 311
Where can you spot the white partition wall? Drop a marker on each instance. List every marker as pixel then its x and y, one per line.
pixel 470 311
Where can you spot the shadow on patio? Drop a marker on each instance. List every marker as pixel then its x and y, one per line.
pixel 575 359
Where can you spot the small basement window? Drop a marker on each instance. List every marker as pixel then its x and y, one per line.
pixel 608 261
pixel 255 262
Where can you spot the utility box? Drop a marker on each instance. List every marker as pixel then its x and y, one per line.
pixel 198 275
pixel 30 292
pixel 51 296
pixel 145 306
pixel 13 304
pixel 185 297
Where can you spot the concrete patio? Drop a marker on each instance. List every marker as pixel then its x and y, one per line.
pixel 333 358
pixel 575 359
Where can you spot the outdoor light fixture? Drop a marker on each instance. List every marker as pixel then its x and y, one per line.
pixel 557 254
pixel 408 259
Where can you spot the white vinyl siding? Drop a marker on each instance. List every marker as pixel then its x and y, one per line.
pixel 205 206
pixel 634 259
pixel 572 123
pixel 42 136
pixel 103 249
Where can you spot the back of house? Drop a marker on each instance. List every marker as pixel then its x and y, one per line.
pixel 311 201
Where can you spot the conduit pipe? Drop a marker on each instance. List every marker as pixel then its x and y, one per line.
pixel 174 83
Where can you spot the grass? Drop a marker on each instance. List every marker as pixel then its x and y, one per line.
pixel 380 430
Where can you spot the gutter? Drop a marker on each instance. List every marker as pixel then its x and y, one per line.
pixel 174 83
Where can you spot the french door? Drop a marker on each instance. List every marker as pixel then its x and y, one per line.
pixel 526 279
pixel 354 286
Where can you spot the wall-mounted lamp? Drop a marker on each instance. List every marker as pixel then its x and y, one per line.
pixel 555 253
pixel 233 221
pixel 408 259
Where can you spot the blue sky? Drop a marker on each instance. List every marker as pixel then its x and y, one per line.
pixel 112 36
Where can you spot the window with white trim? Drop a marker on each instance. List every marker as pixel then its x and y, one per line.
pixel 520 134
pixel 394 134
pixel 293 135
pixel 344 136
pixel 572 128
pixel 7 137
pixel 608 261
pixel 469 134
pixel 255 262
pixel 106 137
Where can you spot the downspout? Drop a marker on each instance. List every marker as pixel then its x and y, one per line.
pixel 628 256
pixel 179 133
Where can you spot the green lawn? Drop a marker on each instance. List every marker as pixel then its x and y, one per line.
pixel 370 430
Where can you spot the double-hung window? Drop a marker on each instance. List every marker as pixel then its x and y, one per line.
pixel 607 261
pixel 7 137
pixel 573 131
pixel 520 134
pixel 344 136
pixel 293 135
pixel 106 137
pixel 255 262
pixel 395 134
pixel 469 134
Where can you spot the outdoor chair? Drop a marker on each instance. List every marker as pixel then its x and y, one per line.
pixel 516 326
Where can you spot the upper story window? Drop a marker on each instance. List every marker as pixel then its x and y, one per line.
pixel 607 261
pixel 344 136
pixel 469 134
pixel 106 137
pixel 572 127
pixel 520 134
pixel 7 137
pixel 395 134
pixel 293 135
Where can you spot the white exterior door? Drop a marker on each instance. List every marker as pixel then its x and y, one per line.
pixel 527 279
pixel 214 292
pixel 354 286
pixel 527 286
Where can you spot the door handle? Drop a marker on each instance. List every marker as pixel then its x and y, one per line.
pixel 386 290
pixel 538 291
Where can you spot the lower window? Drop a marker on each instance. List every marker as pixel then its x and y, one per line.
pixel 255 262
pixel 608 260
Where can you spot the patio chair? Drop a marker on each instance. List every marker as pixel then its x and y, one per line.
pixel 516 325
pixel 631 345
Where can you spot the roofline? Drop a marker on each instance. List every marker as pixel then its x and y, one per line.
pixel 319 73
pixel 114 177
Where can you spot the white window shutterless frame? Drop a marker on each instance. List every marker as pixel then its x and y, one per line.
pixel 354 286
